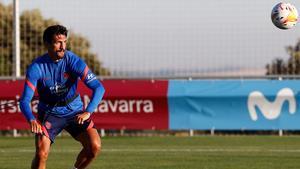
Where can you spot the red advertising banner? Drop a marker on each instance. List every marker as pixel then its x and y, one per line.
pixel 132 104
pixel 10 114
pixel 127 104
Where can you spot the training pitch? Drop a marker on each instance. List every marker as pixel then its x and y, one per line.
pixel 170 152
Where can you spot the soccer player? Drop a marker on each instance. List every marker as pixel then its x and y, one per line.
pixel 55 76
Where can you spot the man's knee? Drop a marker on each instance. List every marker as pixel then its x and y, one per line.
pixel 42 155
pixel 94 150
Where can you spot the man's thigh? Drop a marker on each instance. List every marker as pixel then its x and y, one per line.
pixel 76 129
pixel 89 138
pixel 51 125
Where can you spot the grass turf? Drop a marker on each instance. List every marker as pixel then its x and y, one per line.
pixel 201 152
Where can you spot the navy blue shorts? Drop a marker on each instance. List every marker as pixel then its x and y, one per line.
pixel 53 125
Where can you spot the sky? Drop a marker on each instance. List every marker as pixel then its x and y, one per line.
pixel 175 35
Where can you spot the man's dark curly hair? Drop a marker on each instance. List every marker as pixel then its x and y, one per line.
pixel 54 30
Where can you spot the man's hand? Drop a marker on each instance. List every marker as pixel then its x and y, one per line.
pixel 36 127
pixel 83 117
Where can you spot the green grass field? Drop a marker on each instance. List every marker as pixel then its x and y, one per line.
pixel 201 152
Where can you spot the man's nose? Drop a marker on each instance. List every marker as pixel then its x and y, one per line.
pixel 62 46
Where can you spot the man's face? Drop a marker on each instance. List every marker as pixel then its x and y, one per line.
pixel 58 46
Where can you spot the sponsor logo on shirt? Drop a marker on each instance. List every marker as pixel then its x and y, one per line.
pixel 90 77
pixel 58 89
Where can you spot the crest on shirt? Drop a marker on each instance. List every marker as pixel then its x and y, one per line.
pixel 66 75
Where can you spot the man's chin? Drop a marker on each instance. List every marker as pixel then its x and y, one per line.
pixel 60 55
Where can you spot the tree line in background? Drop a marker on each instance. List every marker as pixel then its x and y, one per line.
pixel 32 26
pixel 289 67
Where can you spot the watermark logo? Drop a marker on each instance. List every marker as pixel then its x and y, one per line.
pixel 270 110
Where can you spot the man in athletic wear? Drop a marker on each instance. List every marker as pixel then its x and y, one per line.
pixel 55 76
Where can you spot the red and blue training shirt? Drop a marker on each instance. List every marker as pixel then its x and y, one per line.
pixel 57 82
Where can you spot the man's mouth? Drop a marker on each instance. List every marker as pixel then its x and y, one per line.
pixel 60 53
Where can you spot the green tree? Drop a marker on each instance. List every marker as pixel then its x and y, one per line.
pixel 289 67
pixel 32 25
pixel 6 59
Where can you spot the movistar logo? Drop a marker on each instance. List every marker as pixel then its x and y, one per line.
pixel 270 110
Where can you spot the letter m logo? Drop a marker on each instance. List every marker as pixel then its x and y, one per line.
pixel 270 110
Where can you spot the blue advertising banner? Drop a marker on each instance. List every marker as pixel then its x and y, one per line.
pixel 234 104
